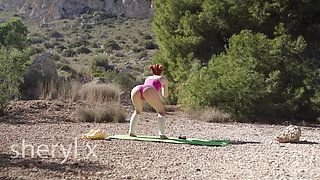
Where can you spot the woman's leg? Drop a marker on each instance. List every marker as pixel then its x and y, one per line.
pixel 138 104
pixel 152 97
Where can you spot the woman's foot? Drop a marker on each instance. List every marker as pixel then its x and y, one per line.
pixel 132 135
pixel 163 137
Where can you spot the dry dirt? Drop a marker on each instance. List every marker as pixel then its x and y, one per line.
pixel 42 140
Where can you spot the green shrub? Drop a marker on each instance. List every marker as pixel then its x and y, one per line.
pixel 69 53
pixel 135 40
pixel 149 44
pixel 56 57
pixel 67 68
pixel 97 74
pixel 258 79
pixel 36 50
pixel 47 45
pixel 120 54
pixel 83 50
pixel 112 45
pixel 118 37
pixel 95 44
pixel 137 49
pixel 100 50
pixel 60 49
pixel 37 40
pixel 55 43
pixel 101 61
pixel 11 74
pixel 78 43
pixel 147 37
pixel 55 34
pixel 142 54
pixel 126 80
pixel 35 34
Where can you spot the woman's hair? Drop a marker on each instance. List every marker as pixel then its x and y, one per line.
pixel 156 69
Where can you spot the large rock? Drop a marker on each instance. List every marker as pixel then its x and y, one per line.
pixel 41 79
pixel 290 134
pixel 50 10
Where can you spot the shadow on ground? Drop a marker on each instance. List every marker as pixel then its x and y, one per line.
pixel 244 142
pixel 305 142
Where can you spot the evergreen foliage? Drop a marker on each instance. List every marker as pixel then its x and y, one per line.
pixel 255 59
pixel 13 57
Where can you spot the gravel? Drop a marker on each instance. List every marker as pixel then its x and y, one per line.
pixel 42 140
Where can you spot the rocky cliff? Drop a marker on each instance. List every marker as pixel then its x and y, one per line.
pixel 49 10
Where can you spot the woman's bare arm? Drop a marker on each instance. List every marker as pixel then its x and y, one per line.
pixel 165 86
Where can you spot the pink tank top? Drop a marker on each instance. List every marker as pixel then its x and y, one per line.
pixel 153 82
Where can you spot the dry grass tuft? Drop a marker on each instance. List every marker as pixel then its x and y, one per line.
pixel 210 114
pixel 86 115
pixel 94 93
pixel 104 113
pixel 215 115
pixel 103 103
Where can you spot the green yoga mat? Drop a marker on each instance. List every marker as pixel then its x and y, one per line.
pixel 174 140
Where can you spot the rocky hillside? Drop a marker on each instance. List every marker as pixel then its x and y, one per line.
pixel 49 10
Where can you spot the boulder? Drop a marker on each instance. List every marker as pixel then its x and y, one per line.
pixel 290 134
pixel 41 79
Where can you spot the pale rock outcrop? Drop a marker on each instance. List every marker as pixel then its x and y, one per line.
pixel 50 10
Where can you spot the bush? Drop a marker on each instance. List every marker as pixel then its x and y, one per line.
pixel 69 53
pixel 126 80
pixel 13 58
pixel 149 45
pixel 95 44
pixel 102 62
pixel 97 74
pixel 258 79
pixel 78 43
pixel 100 50
pixel 137 49
pixel 120 54
pixel 56 57
pixel 47 45
pixel 103 103
pixel 142 54
pixel 83 50
pixel 67 68
pixel 37 40
pixel 135 40
pixel 111 44
pixel 147 37
pixel 11 74
pixel 86 115
pixel 55 34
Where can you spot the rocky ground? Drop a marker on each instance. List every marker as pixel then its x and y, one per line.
pixel 42 140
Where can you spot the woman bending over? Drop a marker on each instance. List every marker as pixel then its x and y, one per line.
pixel 149 92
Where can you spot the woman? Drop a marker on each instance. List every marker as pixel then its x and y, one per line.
pixel 149 92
